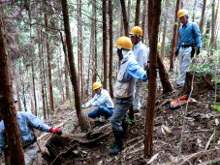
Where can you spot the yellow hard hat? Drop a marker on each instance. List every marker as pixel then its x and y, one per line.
pixel 136 30
pixel 124 42
pixel 96 85
pixel 159 45
pixel 182 12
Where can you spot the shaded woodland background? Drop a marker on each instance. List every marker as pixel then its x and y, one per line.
pixel 49 66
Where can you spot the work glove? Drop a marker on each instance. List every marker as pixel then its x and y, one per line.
pixel 198 51
pixel 86 105
pixel 55 131
pixel 176 53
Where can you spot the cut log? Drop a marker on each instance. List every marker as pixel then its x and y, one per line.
pixel 200 83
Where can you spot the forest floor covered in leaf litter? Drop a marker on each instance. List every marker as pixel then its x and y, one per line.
pixel 193 141
pixel 200 141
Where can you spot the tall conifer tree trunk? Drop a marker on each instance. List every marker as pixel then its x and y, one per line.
pixel 144 18
pixel 125 19
pixel 137 14
pixel 82 122
pixel 104 34
pixel 110 47
pixel 202 17
pixel 175 29
pixel 49 68
pixel 154 11
pixel 7 108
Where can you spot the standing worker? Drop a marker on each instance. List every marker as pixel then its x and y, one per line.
pixel 141 54
pixel 124 88
pixel 189 41
pixel 27 122
pixel 103 101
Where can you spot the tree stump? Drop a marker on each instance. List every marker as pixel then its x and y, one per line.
pixel 201 82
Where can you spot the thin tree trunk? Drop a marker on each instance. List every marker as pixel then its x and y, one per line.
pixel 80 50
pixel 110 48
pixel 40 50
pixel 194 8
pixel 104 34
pixel 202 17
pixel 175 29
pixel 144 17
pixel 165 30
pixel 66 68
pixel 18 97
pixel 129 12
pixel 154 15
pixel 137 14
pixel 125 20
pixel 33 80
pixel 93 42
pixel 7 107
pixel 212 40
pixel 167 87
pixel 82 122
pixel 49 69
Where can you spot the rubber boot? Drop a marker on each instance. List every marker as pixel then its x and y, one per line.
pixel 125 127
pixel 118 144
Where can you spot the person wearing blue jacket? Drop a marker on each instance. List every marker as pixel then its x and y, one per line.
pixel 189 37
pixel 27 122
pixel 123 90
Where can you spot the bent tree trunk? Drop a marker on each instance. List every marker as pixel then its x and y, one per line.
pixel 73 75
pixel 7 108
pixel 167 87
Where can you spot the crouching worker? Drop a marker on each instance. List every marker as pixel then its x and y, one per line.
pixel 27 122
pixel 124 88
pixel 103 101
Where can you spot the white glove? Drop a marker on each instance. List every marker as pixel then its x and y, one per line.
pixel 86 105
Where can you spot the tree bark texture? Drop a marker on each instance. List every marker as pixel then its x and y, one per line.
pixel 7 108
pixel 175 29
pixel 33 81
pixel 125 20
pixel 80 50
pixel 40 50
pixel 165 30
pixel 104 34
pixel 49 68
pixel 137 14
pixel 82 122
pixel 155 5
pixel 202 17
pixel 66 67
pixel 129 12
pixel 110 48
pixel 167 87
pixel 144 19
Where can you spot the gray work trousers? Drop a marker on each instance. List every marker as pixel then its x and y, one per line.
pixel 184 57
pixel 119 114
pixel 30 153
pixel 137 95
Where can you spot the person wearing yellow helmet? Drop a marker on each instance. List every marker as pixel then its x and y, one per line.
pixel 103 101
pixel 123 90
pixel 141 53
pixel 189 42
